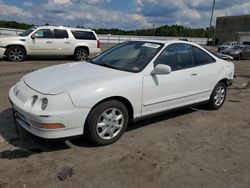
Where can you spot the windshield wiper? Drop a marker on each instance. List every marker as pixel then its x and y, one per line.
pixel 107 65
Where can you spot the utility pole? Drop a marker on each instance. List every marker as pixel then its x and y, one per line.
pixel 153 29
pixel 211 19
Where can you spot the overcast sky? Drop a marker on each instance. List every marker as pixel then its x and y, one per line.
pixel 123 14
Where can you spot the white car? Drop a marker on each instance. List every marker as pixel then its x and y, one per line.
pixel 127 82
pixel 50 41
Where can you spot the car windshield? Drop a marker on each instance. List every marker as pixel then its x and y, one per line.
pixel 132 56
pixel 27 32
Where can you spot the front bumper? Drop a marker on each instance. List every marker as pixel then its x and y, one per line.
pixel 71 117
pixel 2 51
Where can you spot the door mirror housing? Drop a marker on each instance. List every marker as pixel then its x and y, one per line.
pixel 34 36
pixel 161 69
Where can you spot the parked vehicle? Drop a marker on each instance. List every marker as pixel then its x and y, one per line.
pixel 127 82
pixel 226 45
pixel 236 51
pixel 246 52
pixel 50 41
pixel 233 51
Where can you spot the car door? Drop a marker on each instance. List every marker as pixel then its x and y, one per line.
pixel 62 43
pixel 179 88
pixel 41 42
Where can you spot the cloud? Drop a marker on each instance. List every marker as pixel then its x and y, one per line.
pixel 9 10
pixel 192 13
pixel 144 14
pixel 28 4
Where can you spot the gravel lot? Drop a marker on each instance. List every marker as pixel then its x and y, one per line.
pixel 194 147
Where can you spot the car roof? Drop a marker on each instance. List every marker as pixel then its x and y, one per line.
pixel 167 42
pixel 62 27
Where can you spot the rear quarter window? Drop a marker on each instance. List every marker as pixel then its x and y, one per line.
pixel 202 57
pixel 83 35
pixel 61 33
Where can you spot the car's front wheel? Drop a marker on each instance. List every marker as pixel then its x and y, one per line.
pixel 218 96
pixel 16 54
pixel 107 122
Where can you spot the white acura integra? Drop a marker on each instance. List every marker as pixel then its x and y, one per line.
pixel 127 82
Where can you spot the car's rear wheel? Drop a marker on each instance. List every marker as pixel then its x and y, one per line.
pixel 16 54
pixel 107 122
pixel 81 54
pixel 218 96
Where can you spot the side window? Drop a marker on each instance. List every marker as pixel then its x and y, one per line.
pixel 61 33
pixel 177 56
pixel 83 35
pixel 202 57
pixel 44 33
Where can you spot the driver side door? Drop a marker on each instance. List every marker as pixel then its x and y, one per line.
pixel 42 43
pixel 179 88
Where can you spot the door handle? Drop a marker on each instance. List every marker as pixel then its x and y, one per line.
pixel 49 42
pixel 67 42
pixel 194 74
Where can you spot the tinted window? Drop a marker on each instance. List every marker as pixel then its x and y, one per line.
pixel 177 56
pixel 43 33
pixel 246 43
pixel 60 34
pixel 83 35
pixel 202 57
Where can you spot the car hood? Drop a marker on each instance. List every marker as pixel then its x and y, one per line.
pixel 7 39
pixel 60 78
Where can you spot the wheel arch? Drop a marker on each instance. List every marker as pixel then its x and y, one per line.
pixel 82 46
pixel 13 45
pixel 121 99
pixel 226 81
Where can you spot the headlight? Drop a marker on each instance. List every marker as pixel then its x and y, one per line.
pixel 44 103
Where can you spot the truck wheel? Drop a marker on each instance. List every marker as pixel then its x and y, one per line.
pixel 16 54
pixel 81 54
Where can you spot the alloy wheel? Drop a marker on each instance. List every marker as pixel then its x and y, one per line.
pixel 16 55
pixel 110 123
pixel 219 96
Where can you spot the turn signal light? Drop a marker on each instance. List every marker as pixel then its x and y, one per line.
pixel 52 126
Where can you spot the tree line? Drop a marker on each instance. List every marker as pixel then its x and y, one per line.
pixel 166 30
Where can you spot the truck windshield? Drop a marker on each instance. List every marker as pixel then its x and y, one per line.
pixel 27 32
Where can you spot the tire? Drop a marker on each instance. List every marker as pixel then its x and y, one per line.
pixel 218 96
pixel 106 123
pixel 16 54
pixel 240 57
pixel 81 54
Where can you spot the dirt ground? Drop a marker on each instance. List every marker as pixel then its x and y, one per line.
pixel 194 147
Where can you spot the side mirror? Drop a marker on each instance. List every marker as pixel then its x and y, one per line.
pixel 34 36
pixel 161 69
